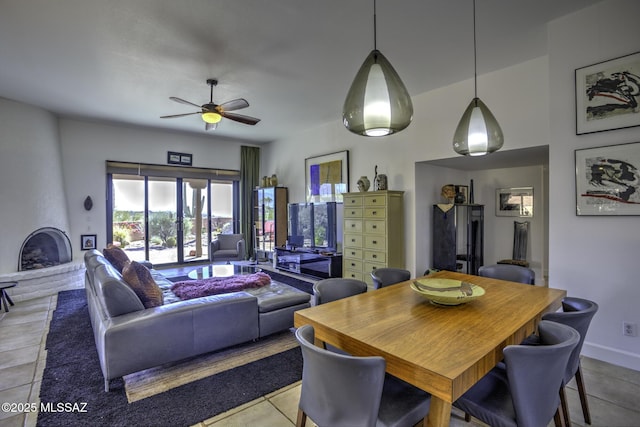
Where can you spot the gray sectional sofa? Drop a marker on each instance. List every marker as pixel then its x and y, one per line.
pixel 130 338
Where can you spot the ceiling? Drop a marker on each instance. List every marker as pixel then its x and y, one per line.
pixel 293 60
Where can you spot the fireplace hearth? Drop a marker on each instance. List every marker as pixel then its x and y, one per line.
pixel 45 247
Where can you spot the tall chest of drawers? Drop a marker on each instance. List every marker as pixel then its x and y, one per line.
pixel 373 233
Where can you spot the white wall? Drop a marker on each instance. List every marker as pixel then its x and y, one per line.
pixel 32 194
pixel 86 146
pixel 593 257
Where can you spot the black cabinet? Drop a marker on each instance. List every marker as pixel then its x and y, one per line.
pixel 458 237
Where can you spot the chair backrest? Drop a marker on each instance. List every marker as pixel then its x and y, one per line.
pixel 513 273
pixel 229 241
pixel 577 313
pixel 327 290
pixel 339 390
pixel 536 373
pixel 388 276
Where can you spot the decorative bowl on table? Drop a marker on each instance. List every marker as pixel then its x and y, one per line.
pixel 442 291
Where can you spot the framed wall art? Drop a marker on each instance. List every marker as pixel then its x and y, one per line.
pixel 607 180
pixel 607 95
pixel 327 177
pixel 88 241
pixel 517 201
pixel 175 158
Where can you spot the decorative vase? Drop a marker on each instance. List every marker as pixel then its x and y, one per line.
pixel 265 181
pixel 274 180
pixel 363 183
pixel 381 182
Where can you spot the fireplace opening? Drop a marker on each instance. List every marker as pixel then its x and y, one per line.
pixel 44 248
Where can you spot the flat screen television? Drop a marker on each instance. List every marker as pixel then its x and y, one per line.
pixel 316 226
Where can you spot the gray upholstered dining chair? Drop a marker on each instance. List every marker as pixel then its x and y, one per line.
pixel 388 276
pixel 577 313
pixel 342 390
pixel 334 288
pixel 524 392
pixel 513 273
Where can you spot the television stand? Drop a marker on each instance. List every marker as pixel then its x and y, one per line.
pixel 312 263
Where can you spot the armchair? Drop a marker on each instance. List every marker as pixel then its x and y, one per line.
pixel 228 247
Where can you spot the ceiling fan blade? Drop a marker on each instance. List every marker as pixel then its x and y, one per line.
pixel 247 120
pixel 233 105
pixel 210 126
pixel 179 115
pixel 182 101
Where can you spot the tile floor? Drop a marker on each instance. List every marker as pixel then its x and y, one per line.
pixel 614 391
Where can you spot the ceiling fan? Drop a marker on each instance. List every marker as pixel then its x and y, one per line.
pixel 212 113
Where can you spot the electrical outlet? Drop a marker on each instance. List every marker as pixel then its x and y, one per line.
pixel 629 329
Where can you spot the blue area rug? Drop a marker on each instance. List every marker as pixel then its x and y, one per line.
pixel 72 376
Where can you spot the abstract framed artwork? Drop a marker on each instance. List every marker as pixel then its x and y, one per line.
pixel 517 201
pixel 607 95
pixel 607 180
pixel 327 177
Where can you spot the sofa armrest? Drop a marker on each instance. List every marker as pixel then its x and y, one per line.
pixel 240 248
pixel 153 336
pixel 215 245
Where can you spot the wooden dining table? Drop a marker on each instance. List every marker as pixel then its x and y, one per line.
pixel 443 350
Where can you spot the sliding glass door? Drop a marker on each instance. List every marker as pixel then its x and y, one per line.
pixel 169 220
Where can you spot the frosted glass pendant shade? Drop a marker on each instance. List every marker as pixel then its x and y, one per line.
pixel 378 103
pixel 478 132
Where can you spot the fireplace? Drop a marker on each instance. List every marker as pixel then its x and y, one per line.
pixel 45 247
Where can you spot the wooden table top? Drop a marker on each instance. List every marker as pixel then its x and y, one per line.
pixel 442 350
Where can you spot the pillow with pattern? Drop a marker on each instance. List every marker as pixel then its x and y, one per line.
pixel 139 278
pixel 116 256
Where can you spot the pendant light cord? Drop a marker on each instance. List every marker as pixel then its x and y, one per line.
pixel 475 54
pixel 375 30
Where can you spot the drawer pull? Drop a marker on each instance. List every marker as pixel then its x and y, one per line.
pixel 375 200
pixel 353 240
pixel 374 227
pixel 353 253
pixel 353 212
pixel 374 242
pixel 374 256
pixel 353 265
pixel 353 225
pixel 374 212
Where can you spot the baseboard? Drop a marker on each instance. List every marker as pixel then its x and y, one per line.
pixel 612 355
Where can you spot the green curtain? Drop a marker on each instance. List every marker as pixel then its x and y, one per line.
pixel 249 179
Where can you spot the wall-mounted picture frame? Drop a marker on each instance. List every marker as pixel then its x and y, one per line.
pixel 327 177
pixel 88 241
pixel 516 201
pixel 462 194
pixel 608 95
pixel 607 180
pixel 175 158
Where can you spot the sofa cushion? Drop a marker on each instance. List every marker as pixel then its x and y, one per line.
pixel 277 296
pixel 139 278
pixel 116 256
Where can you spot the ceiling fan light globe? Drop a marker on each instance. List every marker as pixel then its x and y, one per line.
pixel 211 117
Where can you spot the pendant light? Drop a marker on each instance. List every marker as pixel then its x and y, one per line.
pixel 478 132
pixel 378 103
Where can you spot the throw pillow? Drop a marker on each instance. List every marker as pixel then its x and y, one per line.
pixel 139 278
pixel 116 256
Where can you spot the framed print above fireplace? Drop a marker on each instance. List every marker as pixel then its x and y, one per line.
pixel 608 94
pixel 607 180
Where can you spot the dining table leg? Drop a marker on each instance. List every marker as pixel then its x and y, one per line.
pixel 439 413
